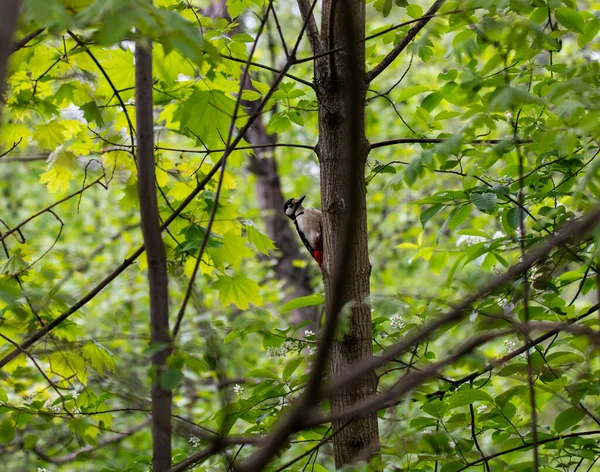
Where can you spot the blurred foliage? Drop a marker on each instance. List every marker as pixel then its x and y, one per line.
pixel 496 83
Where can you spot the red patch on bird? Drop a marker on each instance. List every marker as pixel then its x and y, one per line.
pixel 318 255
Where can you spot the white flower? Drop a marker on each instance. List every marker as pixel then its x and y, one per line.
pixel 498 234
pixel 470 240
pixel 74 394
pixel 283 350
pixel 509 345
pixel 194 441
pixel 238 389
pixel 42 469
pixel 48 404
pixel 481 409
pixel 308 333
pixel 427 431
pixel 396 322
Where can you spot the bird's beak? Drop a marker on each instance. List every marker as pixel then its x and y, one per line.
pixel 299 202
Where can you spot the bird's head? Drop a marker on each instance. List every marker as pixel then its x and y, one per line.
pixel 292 206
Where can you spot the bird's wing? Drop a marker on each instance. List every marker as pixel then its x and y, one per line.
pixel 313 225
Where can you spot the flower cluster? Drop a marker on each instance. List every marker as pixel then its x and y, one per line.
pixel 470 240
pixel 308 333
pixel 481 409
pixel 238 389
pixel 194 441
pixel 283 350
pixel 509 345
pixel 74 394
pixel 55 409
pixel 396 322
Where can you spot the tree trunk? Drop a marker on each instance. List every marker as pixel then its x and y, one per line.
pixel 157 262
pixel 9 17
pixel 343 150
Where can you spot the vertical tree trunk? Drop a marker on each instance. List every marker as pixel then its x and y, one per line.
pixel 9 16
pixel 155 252
pixel 343 150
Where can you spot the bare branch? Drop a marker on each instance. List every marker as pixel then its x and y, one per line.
pixel 21 43
pixel 312 31
pixel 394 53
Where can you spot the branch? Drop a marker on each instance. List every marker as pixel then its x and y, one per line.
pixel 391 142
pixel 524 446
pixel 49 208
pixel 394 53
pixel 312 31
pixel 72 456
pixel 31 340
pixel 81 44
pixel 21 43
pixel 158 282
pixel 573 231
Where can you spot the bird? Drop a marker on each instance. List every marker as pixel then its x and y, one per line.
pixel 309 223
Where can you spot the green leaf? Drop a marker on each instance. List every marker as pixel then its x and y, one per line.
pixel 260 241
pixel 460 216
pixel 301 302
pixel 570 19
pixel 207 114
pixel 91 113
pixel 512 217
pixel 431 101
pixel 239 290
pixel 170 378
pixel 383 6
pixel 468 396
pixel 291 367
pixel 7 431
pixel 433 210
pixel 99 356
pixel 485 202
pixel 414 11
pixel 262 374
pixel 233 250
pixel 567 419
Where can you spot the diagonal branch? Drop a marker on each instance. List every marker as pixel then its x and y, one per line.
pixel 312 31
pixel 394 53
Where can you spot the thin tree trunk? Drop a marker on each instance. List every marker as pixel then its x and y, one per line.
pixel 9 16
pixel 157 261
pixel 343 150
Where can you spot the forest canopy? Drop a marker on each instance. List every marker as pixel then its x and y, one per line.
pixel 158 309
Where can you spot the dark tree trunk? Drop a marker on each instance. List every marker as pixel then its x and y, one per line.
pixel 157 261
pixel 9 16
pixel 343 150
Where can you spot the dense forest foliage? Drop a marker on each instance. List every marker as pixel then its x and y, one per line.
pixel 452 148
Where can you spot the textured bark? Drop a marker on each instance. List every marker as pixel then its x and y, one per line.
pixel 343 150
pixel 157 261
pixel 9 15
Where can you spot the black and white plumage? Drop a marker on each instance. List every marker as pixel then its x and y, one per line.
pixel 308 222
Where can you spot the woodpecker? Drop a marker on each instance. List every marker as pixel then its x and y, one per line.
pixel 308 222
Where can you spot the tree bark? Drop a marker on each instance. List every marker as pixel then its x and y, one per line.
pixel 343 150
pixel 9 16
pixel 157 262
